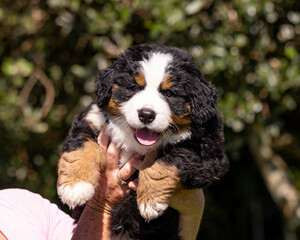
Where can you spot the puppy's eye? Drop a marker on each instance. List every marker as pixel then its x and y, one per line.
pixel 134 88
pixel 168 93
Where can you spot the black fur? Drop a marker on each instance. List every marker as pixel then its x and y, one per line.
pixel 127 223
pixel 79 133
pixel 200 93
pixel 202 160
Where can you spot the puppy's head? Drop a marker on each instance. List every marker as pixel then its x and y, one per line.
pixel 155 92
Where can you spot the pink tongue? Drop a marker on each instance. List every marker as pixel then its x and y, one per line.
pixel 145 136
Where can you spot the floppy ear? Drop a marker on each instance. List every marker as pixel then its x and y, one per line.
pixel 104 84
pixel 208 161
pixel 204 99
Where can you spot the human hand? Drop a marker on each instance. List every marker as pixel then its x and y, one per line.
pixel 110 191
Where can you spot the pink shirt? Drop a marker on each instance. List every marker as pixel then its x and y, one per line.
pixel 26 215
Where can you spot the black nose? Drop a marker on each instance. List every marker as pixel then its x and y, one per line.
pixel 146 115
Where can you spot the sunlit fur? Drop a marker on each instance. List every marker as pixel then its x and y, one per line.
pixel 188 152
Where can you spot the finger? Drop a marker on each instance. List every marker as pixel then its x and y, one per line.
pixel 133 185
pixel 103 140
pixel 130 167
pixel 137 161
pixel 126 171
pixel 112 155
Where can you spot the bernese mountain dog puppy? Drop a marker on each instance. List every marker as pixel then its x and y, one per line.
pixel 155 102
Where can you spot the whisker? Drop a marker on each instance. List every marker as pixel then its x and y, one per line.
pixel 173 127
pixel 166 135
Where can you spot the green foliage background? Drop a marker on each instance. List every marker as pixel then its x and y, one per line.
pixel 51 51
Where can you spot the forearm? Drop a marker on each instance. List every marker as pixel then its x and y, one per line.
pixel 93 224
pixel 190 205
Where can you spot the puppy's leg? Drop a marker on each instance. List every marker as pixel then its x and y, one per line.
pixel 190 205
pixel 78 173
pixel 81 158
pixel 157 182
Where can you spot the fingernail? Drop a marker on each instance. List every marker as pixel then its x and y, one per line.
pixel 133 185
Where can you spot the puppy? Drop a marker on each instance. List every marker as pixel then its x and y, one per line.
pixel 155 102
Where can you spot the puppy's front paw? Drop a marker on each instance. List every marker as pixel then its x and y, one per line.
pixel 77 194
pixel 152 211
pixel 157 182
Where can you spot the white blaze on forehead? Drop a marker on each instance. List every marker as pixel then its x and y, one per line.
pixel 154 69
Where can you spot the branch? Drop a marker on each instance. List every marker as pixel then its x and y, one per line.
pixel 38 75
pixel 276 175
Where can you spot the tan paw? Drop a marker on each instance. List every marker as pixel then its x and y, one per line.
pixel 157 182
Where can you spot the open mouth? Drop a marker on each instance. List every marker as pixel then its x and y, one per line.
pixel 145 136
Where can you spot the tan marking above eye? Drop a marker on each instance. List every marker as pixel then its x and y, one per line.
pixel 188 106
pixel 140 79
pixel 115 87
pixel 167 83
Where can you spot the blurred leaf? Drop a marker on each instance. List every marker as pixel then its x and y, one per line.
pixel 15 67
